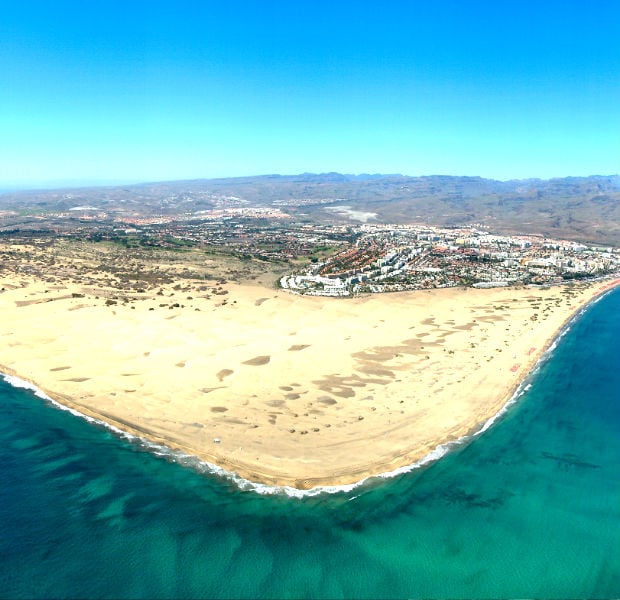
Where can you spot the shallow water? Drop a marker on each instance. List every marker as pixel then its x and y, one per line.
pixel 531 508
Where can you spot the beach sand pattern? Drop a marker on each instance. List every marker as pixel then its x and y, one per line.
pixel 298 391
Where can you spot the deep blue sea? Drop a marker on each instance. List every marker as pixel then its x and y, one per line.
pixel 531 508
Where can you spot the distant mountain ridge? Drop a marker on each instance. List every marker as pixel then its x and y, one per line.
pixel 580 208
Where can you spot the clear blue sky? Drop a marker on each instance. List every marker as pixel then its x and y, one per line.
pixel 150 90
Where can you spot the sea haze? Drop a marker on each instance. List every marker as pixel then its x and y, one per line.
pixel 528 509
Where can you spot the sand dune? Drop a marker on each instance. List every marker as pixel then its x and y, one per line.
pixel 296 391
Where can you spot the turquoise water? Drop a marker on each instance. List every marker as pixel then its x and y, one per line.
pixel 529 509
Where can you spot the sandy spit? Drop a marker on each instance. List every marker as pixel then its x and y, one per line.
pixel 283 389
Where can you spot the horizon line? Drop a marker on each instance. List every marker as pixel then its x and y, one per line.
pixel 67 184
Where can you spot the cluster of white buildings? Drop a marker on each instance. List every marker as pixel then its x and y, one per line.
pixel 315 285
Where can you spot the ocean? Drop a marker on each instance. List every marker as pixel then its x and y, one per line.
pixel 530 508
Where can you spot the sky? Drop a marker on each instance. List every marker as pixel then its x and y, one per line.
pixel 126 91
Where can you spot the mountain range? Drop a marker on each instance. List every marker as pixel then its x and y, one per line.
pixel 580 208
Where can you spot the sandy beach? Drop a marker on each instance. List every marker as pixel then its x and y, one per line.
pixel 283 389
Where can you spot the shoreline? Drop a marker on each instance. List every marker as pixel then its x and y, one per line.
pixel 191 460
pixel 247 476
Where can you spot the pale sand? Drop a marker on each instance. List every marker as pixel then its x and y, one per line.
pixel 300 391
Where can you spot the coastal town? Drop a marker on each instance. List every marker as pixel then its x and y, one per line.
pixel 401 257
pixel 334 259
